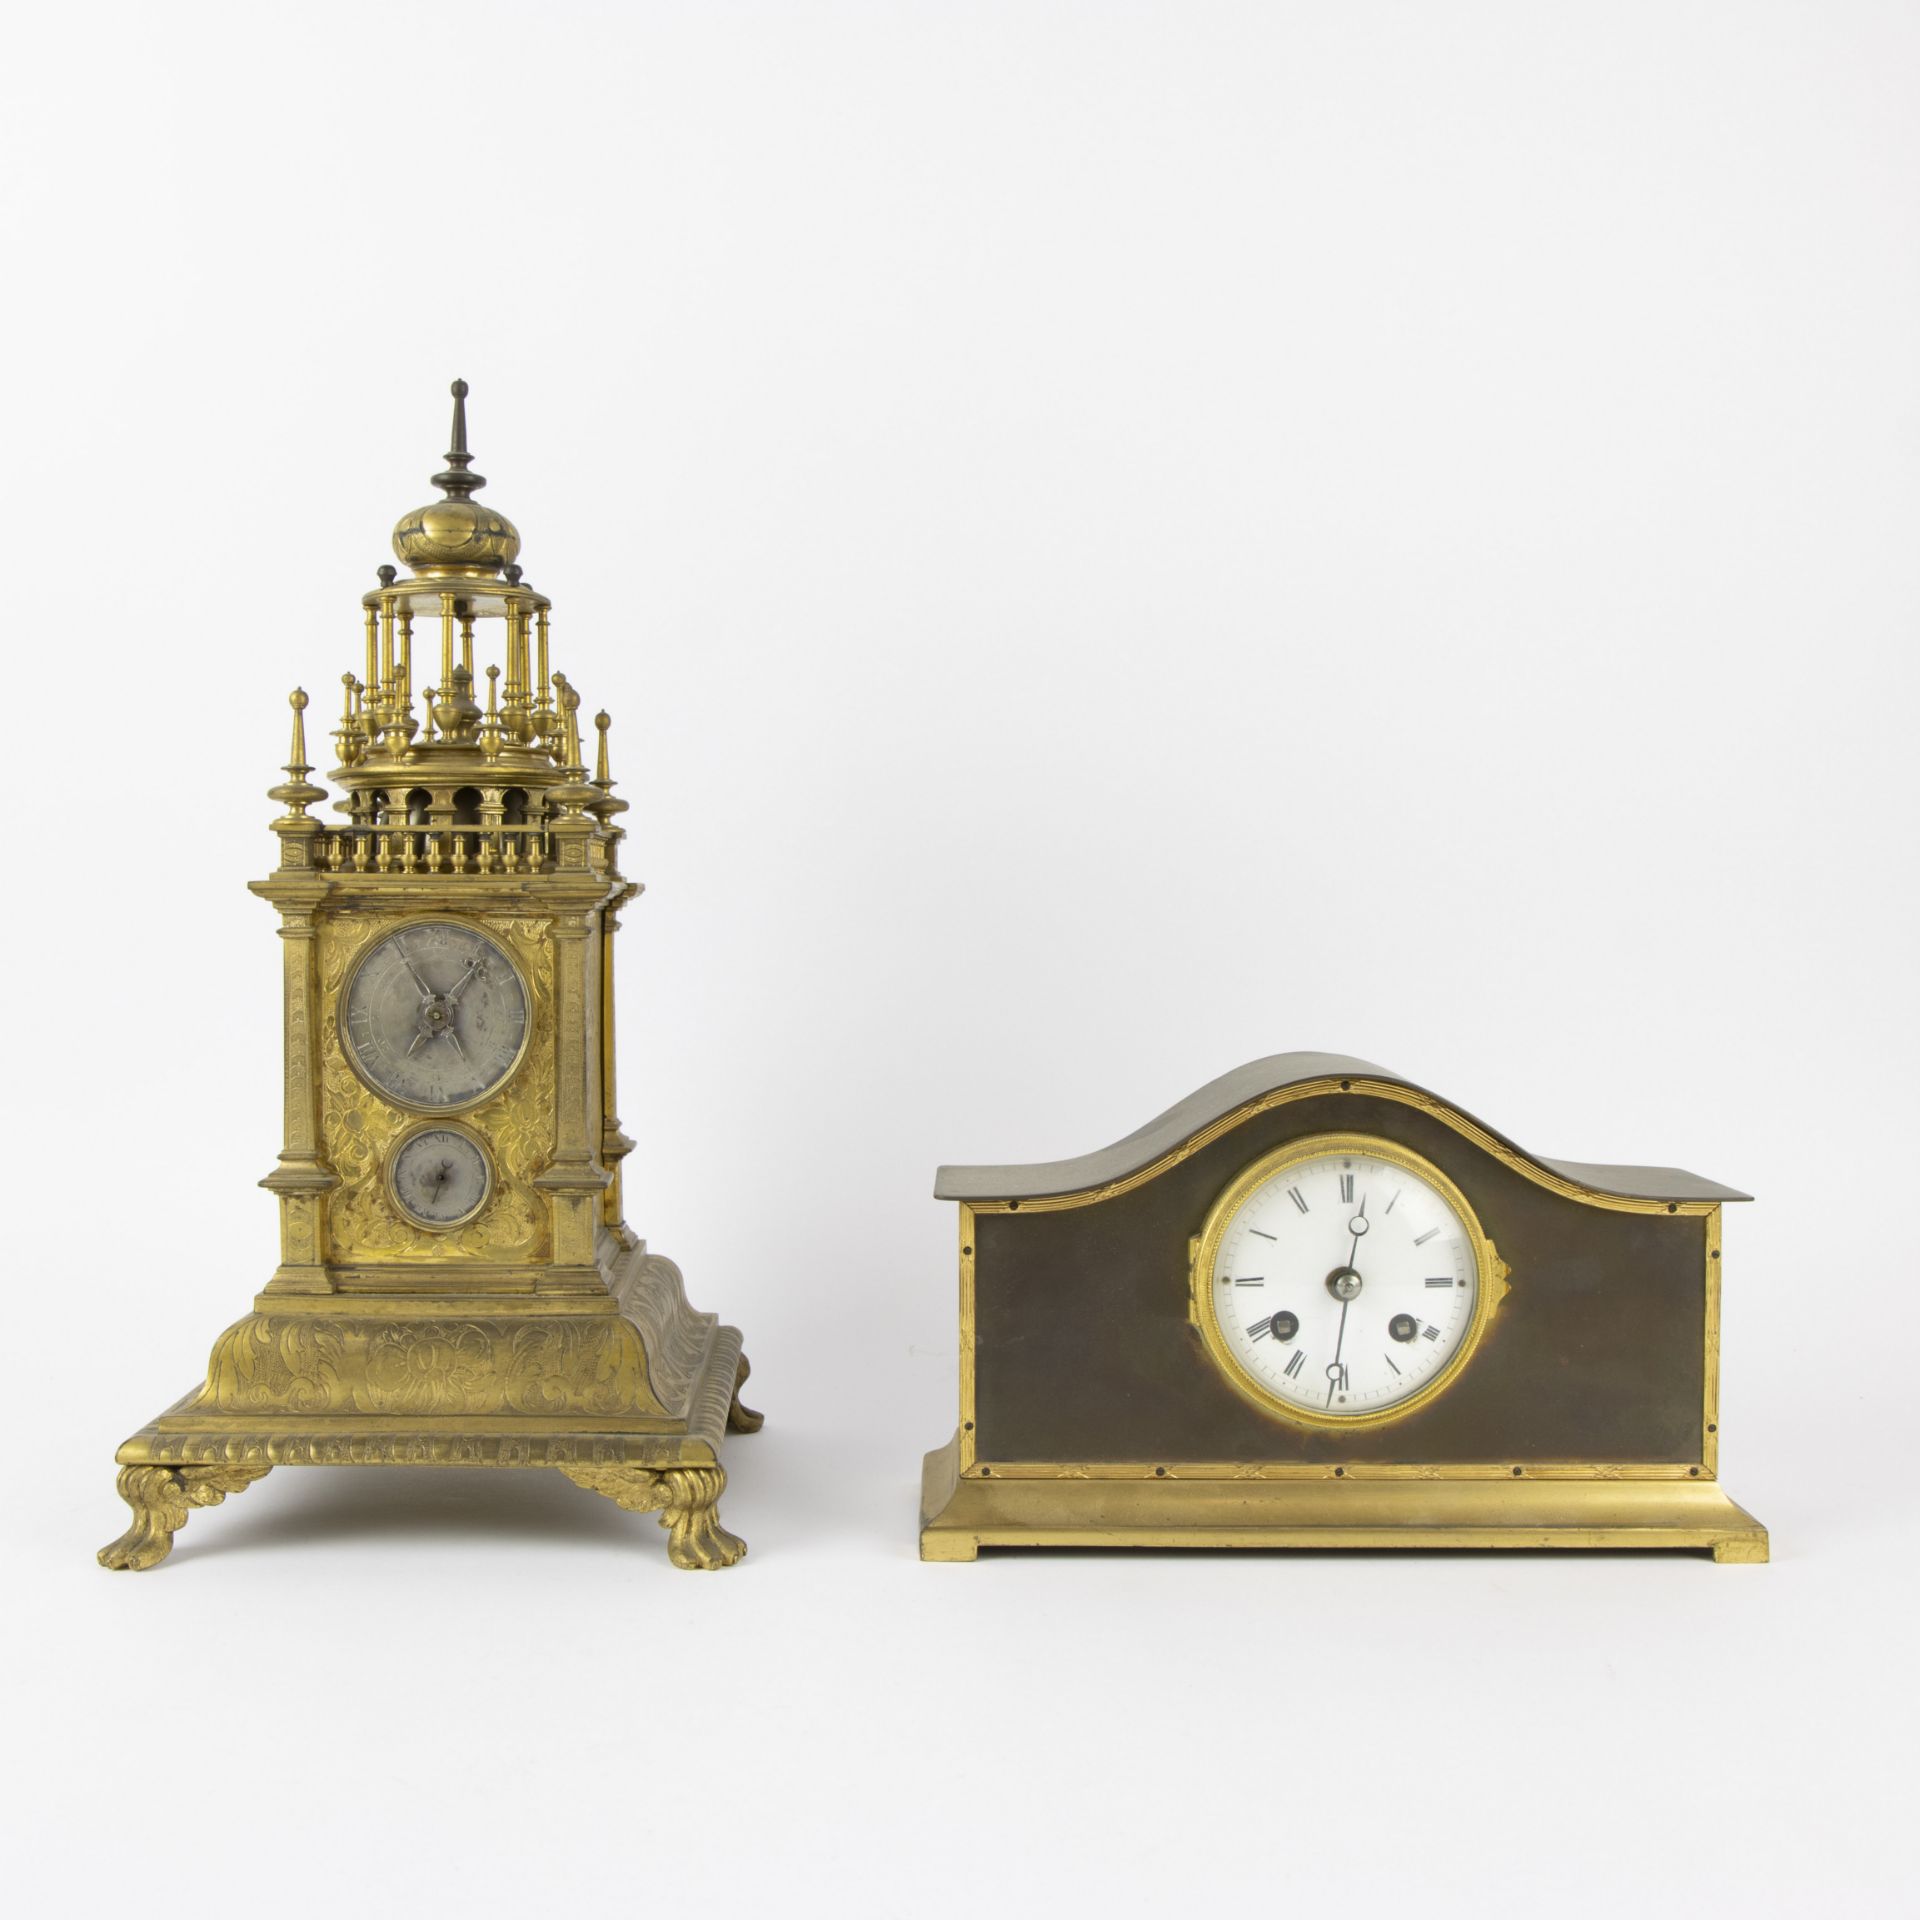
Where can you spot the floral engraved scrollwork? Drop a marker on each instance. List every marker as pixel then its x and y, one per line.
pixel 428 1366
pixel 305 1364
pixel 360 1128
pixel 295 1364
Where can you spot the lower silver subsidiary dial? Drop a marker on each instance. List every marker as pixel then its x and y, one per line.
pixel 440 1176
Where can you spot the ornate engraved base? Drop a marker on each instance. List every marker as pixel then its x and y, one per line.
pixel 629 1394
pixel 1136 1507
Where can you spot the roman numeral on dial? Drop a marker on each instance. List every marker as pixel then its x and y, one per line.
pixel 1298 1198
pixel 1445 1280
pixel 1296 1363
pixel 1421 1239
pixel 1346 1188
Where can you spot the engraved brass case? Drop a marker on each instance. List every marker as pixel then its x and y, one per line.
pixel 539 1331
pixel 1095 1410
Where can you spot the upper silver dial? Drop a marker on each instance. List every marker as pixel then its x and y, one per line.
pixel 435 1016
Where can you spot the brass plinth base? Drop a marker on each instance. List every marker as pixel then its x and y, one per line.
pixel 628 1394
pixel 960 1514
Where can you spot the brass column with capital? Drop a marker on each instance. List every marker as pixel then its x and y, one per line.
pixel 456 1284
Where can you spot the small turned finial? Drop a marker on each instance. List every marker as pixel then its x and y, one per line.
pixel 387 575
pixel 296 793
pixel 347 734
pixel 490 726
pixel 568 701
pixel 297 700
pixel 513 574
pixel 455 481
pixel 606 806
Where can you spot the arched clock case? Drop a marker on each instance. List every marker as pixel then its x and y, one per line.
pixel 1316 1305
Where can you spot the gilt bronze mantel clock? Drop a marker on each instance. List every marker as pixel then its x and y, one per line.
pixel 457 1285
pixel 1314 1305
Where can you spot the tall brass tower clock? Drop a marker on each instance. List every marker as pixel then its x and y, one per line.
pixel 457 1285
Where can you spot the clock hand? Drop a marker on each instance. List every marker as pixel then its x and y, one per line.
pixel 459 986
pixel 406 960
pixel 1333 1368
pixel 455 1038
pixel 1359 1226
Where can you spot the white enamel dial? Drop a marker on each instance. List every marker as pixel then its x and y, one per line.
pixel 435 1016
pixel 440 1176
pixel 1344 1279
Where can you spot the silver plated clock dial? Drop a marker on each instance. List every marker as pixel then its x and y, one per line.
pixel 1345 1280
pixel 440 1176
pixel 435 1016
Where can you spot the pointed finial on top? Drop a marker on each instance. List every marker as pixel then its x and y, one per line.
pixel 456 482
pixel 297 700
pixel 296 792
pixel 607 805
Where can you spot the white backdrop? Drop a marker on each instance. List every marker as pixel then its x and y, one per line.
pixel 1118 539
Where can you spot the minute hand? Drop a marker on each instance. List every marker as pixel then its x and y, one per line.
pixel 460 986
pixel 1340 1340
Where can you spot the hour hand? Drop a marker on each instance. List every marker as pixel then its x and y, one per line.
pixel 406 960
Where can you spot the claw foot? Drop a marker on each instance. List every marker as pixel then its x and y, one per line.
pixel 696 1541
pixel 743 1419
pixel 687 1500
pixel 160 1498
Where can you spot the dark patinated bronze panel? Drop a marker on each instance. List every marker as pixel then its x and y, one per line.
pixel 1086 1351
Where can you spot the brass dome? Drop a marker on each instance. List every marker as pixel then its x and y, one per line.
pixel 461 534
